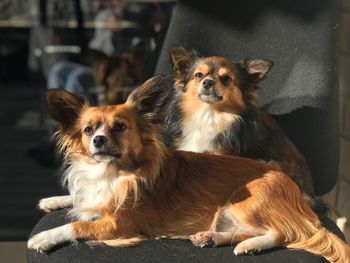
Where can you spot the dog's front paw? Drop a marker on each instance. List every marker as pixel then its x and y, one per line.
pixel 42 242
pixel 48 204
pixel 47 239
pixel 54 203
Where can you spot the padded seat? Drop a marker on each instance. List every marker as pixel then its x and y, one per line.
pixel 298 35
pixel 158 250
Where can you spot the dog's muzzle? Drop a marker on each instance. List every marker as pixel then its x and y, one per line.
pixel 208 92
pixel 101 151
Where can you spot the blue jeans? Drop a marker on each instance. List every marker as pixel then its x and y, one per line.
pixel 73 77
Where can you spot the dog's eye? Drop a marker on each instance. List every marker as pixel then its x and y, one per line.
pixel 88 130
pixel 225 80
pixel 119 127
pixel 199 75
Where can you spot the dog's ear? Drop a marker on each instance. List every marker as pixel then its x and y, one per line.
pixel 181 59
pixel 256 68
pixel 151 98
pixel 64 106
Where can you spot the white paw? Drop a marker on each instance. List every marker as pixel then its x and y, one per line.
pixel 245 248
pixel 240 251
pixel 42 242
pixel 47 239
pixel 48 204
pixel 54 203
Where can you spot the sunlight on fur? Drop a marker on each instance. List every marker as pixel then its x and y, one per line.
pixel 147 191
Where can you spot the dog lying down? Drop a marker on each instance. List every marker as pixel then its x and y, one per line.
pixel 125 186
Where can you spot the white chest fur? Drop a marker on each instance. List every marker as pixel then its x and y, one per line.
pixel 201 128
pixel 91 186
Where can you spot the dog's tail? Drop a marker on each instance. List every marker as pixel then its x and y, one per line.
pixel 326 244
pixel 300 228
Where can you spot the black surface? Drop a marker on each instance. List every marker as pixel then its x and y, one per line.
pixel 158 250
pixel 315 133
pixel 23 181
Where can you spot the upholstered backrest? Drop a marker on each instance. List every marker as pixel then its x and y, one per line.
pixel 299 36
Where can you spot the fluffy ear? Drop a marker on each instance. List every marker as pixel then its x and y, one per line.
pixel 151 98
pixel 64 106
pixel 256 68
pixel 181 59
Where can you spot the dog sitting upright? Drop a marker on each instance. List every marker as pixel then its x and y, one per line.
pixel 213 108
pixel 125 186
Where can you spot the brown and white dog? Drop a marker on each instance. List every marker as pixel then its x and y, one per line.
pixel 212 107
pixel 125 186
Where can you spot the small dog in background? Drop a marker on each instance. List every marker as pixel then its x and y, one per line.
pixel 126 186
pixel 218 113
pixel 212 107
pixel 117 75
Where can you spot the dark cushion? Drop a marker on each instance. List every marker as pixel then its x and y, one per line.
pixel 315 133
pixel 158 250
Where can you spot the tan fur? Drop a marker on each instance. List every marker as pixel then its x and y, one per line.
pixel 236 99
pixel 232 96
pixel 177 194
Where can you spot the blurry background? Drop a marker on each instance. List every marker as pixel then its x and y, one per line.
pixel 101 49
pixel 339 198
pixel 110 46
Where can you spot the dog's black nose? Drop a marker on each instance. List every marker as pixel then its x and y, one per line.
pixel 99 141
pixel 208 83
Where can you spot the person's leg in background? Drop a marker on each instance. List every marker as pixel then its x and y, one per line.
pixel 59 74
pixel 73 77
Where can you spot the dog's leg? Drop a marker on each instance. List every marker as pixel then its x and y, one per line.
pixel 102 229
pixel 215 239
pixel 55 202
pixel 47 239
pixel 251 214
pixel 124 242
pixel 211 238
pixel 224 230
pixel 256 244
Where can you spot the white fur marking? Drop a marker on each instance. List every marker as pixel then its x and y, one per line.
pixel 99 132
pixel 55 202
pixel 47 239
pixel 258 243
pixel 91 186
pixel 202 127
pixel 101 158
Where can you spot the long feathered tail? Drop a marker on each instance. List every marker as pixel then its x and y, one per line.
pixel 300 227
pixel 326 244
pixel 296 224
